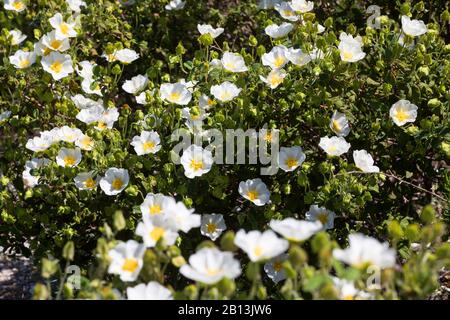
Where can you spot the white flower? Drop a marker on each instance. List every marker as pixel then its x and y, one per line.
pixel 5 115
pixel 260 246
pixel 87 69
pixel 175 5
pixel 196 161
pixel 114 181
pixel 136 84
pixel 334 146
pixel 350 48
pixel 38 144
pixel 63 29
pixel 210 265
pixel 233 62
pixel 17 37
pixel 152 291
pixel 296 230
pixel 212 225
pixel 155 204
pixel 274 268
pixel 317 54
pixel 81 102
pixel 22 59
pixel 176 93
pixel 302 5
pixel 186 113
pixel 126 56
pixel 85 142
pixel 29 180
pixel 206 28
pixel 298 57
pixel 142 97
pixel 205 102
pixel 147 142
pixel 86 181
pixel 339 124
pixel 58 65
pixel 403 112
pixel 290 159
pixel 325 216
pixel 68 134
pixel 413 28
pixel 68 157
pixel 52 43
pixel 181 218
pixel 126 260
pixel 15 5
pixel 278 31
pixel 364 161
pixel 156 229
pixel 276 58
pixel 75 5
pixel 91 114
pixel 107 119
pixel 348 291
pixel 225 92
pixel 366 251
pixel 274 78
pixel 286 12
pixel 254 190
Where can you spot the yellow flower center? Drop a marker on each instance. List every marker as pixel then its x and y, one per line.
pixel 149 145
pixel 252 195
pixel 155 209
pixel 323 217
pixel 278 62
pixel 89 183
pixel 348 55
pixel 268 137
pixel 18 5
pixel 130 265
pixel 288 13
pixel 336 126
pixel 101 125
pixel 348 297
pixel 24 63
pixel 157 233
pixel 69 160
pixel 196 165
pixel 55 44
pixel 175 96
pixel 86 142
pixel 275 80
pixel 291 162
pixel 225 95
pixel 211 227
pixel 56 66
pixel 64 28
pixel 277 266
pixel 117 184
pixel 212 271
pixel 258 251
pixel 401 115
pixel 230 65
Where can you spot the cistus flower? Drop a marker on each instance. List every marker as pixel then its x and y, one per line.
pixel 126 260
pixel 210 265
pixel 278 31
pixel 225 92
pixel 180 217
pixel 298 57
pixel 155 204
pixel 156 229
pixel 260 246
pixel 413 28
pixel 403 112
pixel 68 157
pixel 75 5
pixel 274 78
pixel 291 158
pixel 334 146
pixel 208 29
pixel 136 84
pixel 339 124
pixel 274 268
pixel 325 216
pixel 29 180
pixel 62 28
pixel 196 161
pixel 286 12
pixel 151 291
pixel 176 93
pixel 276 58
pixel 15 5
pixel 147 142
pixel 364 161
pixel 364 251
pixel 58 65
pixel 17 37
pixel 212 225
pixel 86 181
pixel 347 290
pixel 233 62
pixel 114 181
pixel 295 230
pixel 175 5
pixel 22 59
pixel 350 48
pixel 125 56
pixel 254 190
pixel 302 6
pixel 51 43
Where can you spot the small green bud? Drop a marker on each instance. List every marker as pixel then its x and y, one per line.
pixel 119 222
pixel 69 251
pixel 428 214
pixel 297 255
pixel 227 242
